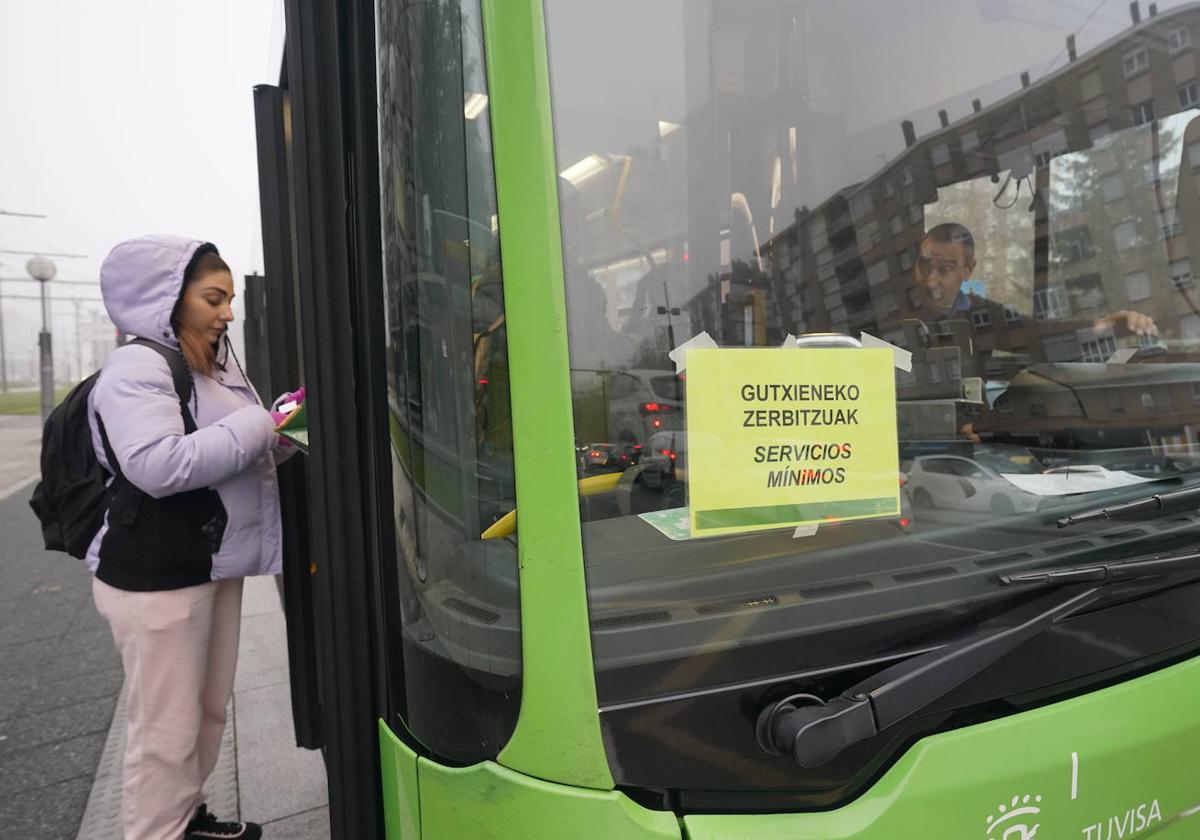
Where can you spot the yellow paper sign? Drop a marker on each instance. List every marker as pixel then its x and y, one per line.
pixel 785 437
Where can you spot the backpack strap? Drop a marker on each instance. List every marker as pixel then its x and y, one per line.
pixel 181 376
pixel 114 466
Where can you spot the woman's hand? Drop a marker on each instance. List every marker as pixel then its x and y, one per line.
pixel 289 402
pixel 285 404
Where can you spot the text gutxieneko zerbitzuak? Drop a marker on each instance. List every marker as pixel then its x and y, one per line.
pixel 759 418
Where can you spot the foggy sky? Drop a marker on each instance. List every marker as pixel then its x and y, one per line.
pixel 124 118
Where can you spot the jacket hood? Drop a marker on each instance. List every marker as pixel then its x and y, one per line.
pixel 141 280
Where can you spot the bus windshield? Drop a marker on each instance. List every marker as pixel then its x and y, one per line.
pixel 1002 193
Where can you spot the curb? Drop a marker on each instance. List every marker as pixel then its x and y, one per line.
pixel 18 486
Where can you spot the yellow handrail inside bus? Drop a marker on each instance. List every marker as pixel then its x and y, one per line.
pixel 507 525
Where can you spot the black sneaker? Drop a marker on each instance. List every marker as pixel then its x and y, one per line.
pixel 204 826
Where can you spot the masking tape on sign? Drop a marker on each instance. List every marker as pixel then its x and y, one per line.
pixel 703 341
pixel 903 357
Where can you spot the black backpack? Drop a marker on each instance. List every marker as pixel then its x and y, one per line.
pixel 73 495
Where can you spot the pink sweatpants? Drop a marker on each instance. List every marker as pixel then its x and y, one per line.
pixel 179 648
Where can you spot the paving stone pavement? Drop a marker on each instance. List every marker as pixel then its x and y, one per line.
pixel 21 437
pixel 59 680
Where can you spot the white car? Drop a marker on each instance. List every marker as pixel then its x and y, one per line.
pixel 953 482
pixel 642 403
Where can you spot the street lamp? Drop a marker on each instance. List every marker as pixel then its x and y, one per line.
pixel 43 270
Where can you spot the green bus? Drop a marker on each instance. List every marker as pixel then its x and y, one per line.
pixel 532 594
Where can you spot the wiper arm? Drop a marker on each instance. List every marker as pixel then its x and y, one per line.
pixel 814 731
pixel 1107 572
pixel 1158 501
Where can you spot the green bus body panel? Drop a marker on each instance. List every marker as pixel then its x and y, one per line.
pixel 1128 752
pixel 491 802
pixel 557 736
pixel 398 774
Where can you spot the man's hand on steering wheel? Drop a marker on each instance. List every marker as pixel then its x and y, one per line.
pixel 1129 320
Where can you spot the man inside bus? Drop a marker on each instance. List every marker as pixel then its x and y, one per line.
pixel 946 260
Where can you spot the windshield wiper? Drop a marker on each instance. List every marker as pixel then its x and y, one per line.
pixel 813 731
pixel 1158 501
pixel 1142 567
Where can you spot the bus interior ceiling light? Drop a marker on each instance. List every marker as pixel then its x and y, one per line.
pixel 579 172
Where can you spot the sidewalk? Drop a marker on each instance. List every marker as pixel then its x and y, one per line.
pixel 61 714
pixel 279 785
pixel 20 445
pixel 59 679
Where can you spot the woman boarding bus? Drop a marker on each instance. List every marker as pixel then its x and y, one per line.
pixel 192 510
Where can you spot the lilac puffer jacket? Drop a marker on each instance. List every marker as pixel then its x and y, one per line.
pixel 233 449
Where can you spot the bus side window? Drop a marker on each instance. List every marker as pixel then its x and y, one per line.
pixel 458 620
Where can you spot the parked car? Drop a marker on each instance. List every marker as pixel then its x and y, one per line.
pixel 664 467
pixel 643 402
pixel 955 482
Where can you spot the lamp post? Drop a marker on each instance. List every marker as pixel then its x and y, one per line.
pixel 43 270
